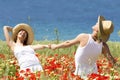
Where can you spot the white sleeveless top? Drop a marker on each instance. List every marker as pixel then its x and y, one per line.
pixel 86 57
pixel 26 58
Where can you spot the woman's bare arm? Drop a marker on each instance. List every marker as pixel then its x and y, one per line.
pixel 39 46
pixel 6 30
pixel 67 43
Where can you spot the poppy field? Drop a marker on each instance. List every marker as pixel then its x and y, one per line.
pixel 57 65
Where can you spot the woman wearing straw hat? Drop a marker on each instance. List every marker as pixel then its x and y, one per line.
pixel 20 44
pixel 90 47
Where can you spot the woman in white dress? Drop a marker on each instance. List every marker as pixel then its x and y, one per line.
pixel 90 47
pixel 20 43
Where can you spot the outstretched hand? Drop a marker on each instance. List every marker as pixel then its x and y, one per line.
pixel 46 46
pixel 53 46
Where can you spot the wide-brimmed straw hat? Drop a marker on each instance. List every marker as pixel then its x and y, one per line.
pixel 26 27
pixel 106 27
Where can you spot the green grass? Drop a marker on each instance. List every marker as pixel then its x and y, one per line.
pixel 114 48
pixel 3 47
pixel 62 51
pixel 5 50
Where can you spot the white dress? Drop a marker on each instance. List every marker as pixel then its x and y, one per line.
pixel 86 57
pixel 27 59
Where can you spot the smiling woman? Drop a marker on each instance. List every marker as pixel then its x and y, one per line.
pixel 90 46
pixel 20 44
pixel 23 35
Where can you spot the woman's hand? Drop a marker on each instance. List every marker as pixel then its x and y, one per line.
pixel 8 28
pixel 53 46
pixel 46 46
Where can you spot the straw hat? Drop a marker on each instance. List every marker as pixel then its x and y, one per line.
pixel 106 27
pixel 25 27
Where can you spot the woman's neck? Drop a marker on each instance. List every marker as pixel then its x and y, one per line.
pixel 19 42
pixel 95 38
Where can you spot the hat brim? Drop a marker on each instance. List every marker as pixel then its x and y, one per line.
pixel 102 35
pixel 25 27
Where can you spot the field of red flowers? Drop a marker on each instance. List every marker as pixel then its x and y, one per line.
pixel 56 67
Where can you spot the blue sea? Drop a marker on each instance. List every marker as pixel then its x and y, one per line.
pixel 68 17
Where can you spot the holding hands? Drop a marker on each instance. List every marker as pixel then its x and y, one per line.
pixel 53 46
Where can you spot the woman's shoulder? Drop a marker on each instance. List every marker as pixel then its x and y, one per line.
pixel 83 35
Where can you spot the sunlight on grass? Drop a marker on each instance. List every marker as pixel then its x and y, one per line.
pixel 57 64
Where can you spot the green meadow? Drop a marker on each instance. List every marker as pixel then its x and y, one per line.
pixel 114 48
pixel 70 51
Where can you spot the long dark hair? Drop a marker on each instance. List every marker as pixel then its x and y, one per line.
pixel 26 39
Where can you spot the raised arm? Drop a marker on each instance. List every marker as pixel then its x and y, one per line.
pixel 107 54
pixel 6 30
